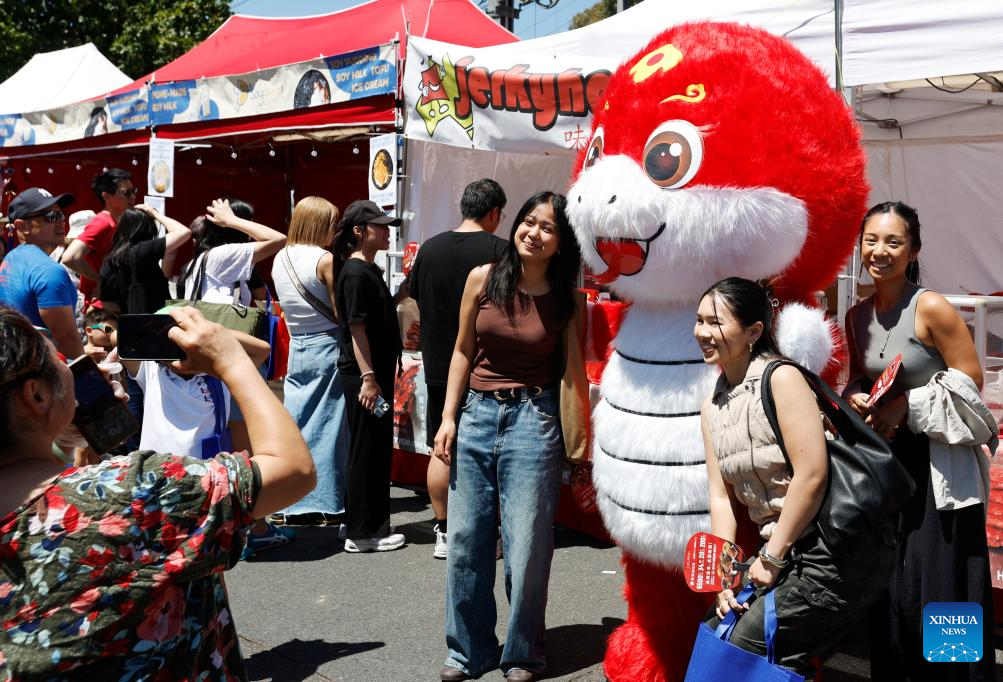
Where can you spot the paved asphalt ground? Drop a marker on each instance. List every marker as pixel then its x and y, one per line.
pixel 310 612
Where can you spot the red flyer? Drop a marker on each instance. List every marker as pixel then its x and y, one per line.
pixel 712 564
pixel 410 253
pixel 885 381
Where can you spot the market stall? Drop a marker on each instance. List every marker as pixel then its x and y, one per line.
pixel 290 102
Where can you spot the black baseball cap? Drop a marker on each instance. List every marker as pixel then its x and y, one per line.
pixel 35 199
pixel 363 212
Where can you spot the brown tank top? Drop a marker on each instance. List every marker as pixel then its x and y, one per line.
pixel 519 346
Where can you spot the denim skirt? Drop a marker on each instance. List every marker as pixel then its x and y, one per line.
pixel 315 399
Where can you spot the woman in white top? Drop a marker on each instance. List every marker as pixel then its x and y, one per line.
pixel 230 244
pixel 313 393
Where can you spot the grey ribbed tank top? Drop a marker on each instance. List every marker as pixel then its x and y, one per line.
pixel 879 337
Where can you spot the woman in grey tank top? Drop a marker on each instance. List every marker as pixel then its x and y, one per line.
pixel 942 554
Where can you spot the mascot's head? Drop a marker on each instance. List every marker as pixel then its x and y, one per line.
pixel 719 150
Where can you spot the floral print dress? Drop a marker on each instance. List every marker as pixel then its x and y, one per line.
pixel 115 571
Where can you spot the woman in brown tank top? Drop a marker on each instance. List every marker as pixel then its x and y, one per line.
pixel 508 443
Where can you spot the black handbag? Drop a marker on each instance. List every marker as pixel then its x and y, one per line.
pixel 867 485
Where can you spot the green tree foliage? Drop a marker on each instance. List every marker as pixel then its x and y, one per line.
pixel 138 36
pixel 600 10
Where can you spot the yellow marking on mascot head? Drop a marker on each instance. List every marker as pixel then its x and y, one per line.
pixel 662 60
pixel 694 93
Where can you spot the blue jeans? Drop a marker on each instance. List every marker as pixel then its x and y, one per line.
pixel 508 452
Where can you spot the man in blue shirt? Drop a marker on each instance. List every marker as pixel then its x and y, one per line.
pixel 33 283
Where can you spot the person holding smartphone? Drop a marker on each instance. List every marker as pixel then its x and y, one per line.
pixel 72 539
pixel 370 352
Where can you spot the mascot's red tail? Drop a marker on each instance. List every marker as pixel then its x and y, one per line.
pixel 654 644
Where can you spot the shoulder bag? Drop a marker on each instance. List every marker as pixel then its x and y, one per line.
pixel 575 409
pixel 866 483
pixel 233 315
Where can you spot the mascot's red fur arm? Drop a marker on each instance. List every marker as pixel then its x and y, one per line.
pixel 719 150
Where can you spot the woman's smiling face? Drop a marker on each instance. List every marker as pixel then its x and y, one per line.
pixel 720 334
pixel 538 236
pixel 886 249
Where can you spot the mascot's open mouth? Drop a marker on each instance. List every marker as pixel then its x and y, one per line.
pixel 623 256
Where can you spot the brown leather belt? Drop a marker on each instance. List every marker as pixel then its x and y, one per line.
pixel 519 393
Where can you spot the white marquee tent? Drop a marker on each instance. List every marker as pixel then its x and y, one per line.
pixel 928 145
pixel 55 79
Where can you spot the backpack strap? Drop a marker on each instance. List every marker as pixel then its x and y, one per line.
pixel 847 423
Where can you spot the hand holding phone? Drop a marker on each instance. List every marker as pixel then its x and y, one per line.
pixel 144 337
pixel 211 349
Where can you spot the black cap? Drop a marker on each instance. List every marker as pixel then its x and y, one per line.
pixel 363 212
pixel 33 200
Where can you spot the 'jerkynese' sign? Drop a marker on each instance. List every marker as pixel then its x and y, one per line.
pixel 500 100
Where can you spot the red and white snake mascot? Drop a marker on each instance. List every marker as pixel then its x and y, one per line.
pixel 720 150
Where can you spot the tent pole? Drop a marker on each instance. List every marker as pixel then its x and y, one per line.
pixel 838 28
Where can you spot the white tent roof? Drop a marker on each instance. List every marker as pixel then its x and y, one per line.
pixel 934 135
pixel 54 79
pixel 882 40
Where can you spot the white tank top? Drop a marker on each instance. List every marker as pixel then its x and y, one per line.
pixel 301 318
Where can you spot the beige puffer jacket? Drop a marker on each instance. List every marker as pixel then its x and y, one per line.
pixel 747 452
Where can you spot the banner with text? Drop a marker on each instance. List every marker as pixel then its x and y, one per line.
pixel 502 98
pixel 328 80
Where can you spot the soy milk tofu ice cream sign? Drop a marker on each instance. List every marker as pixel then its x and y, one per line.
pixel 160 174
pixel 313 83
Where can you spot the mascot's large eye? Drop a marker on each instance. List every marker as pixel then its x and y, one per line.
pixel 673 154
pixel 595 149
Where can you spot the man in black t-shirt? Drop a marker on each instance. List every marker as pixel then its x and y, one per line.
pixel 437 280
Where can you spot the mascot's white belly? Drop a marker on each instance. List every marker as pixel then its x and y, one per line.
pixel 648 456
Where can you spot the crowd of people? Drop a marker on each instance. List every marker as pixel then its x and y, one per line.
pixel 157 522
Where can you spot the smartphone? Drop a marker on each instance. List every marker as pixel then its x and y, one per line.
pixel 381 408
pixel 103 420
pixel 144 337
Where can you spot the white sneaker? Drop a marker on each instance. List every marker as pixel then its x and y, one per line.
pixel 343 531
pixel 384 544
pixel 441 548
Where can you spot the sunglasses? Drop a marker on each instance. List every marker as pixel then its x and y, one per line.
pixel 53 216
pixel 106 328
pixel 131 192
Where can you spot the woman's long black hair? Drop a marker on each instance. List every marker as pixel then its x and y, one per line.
pixel 750 303
pixel 562 272
pixel 134 227
pixel 207 234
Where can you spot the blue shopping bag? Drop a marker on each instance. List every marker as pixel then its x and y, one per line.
pixel 715 659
